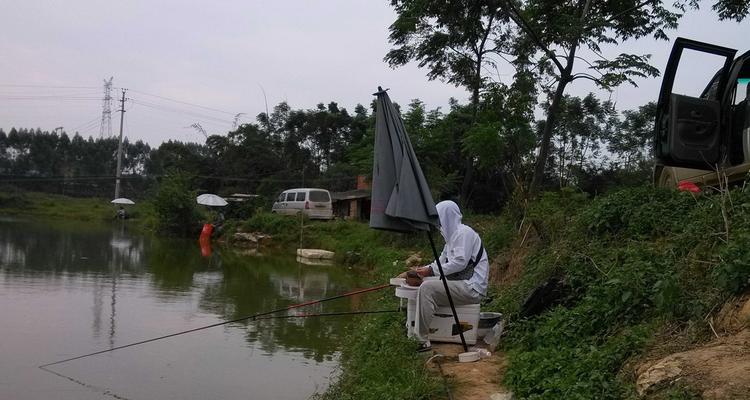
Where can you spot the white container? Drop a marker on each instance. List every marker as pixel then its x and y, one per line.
pixel 406 292
pixel 442 324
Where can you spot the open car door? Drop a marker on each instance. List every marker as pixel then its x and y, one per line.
pixel 688 129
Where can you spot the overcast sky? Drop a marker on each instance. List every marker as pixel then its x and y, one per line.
pixel 219 54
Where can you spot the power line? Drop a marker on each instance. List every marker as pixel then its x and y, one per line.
pixel 184 102
pixel 178 111
pixel 47 86
pixel 49 97
pixel 86 125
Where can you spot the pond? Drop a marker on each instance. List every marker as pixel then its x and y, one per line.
pixel 68 289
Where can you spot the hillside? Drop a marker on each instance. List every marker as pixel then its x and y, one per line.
pixel 643 277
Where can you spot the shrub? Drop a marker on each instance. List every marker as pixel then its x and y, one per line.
pixel 175 206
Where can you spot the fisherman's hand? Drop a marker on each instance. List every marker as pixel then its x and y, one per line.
pixel 424 271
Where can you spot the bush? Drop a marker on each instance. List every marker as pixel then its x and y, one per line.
pixel 283 228
pixel 635 261
pixel 175 207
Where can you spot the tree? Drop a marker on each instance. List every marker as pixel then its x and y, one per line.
pixel 460 42
pixel 584 126
pixel 632 141
pixel 544 40
pixel 562 30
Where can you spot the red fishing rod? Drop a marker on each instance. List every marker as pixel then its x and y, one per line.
pixel 249 317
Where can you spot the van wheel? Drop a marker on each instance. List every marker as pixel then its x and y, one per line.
pixel 666 178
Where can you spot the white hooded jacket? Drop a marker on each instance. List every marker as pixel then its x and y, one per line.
pixel 461 246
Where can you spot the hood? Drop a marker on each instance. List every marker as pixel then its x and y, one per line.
pixel 450 218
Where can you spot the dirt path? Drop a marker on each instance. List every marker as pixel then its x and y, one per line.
pixel 480 380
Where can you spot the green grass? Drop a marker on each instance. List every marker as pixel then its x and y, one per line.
pixel 379 362
pixel 635 261
pixel 55 206
pixel 45 205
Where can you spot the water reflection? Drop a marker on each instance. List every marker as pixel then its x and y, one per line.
pixel 112 263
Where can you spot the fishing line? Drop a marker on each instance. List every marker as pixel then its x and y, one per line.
pixel 105 392
pixel 110 393
pixel 326 314
pixel 253 317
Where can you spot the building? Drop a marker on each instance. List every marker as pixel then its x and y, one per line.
pixel 353 204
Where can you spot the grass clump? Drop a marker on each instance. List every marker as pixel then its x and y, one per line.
pixel 379 362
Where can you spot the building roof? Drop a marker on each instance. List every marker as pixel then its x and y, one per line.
pixel 350 195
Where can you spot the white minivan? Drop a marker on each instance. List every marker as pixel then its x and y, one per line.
pixel 315 203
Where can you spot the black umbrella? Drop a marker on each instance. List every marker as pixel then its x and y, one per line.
pixel 401 199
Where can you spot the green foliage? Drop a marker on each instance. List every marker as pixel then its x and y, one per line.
pixel 553 212
pixel 175 206
pixel 13 202
pixel 634 261
pixel 576 369
pixel 283 228
pixel 623 212
pixel 379 362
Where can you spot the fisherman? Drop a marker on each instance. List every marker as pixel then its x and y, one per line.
pixel 465 265
pixel 218 224
pixel 121 213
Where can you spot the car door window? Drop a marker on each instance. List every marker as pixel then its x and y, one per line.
pixel 290 196
pixel 689 127
pixel 301 196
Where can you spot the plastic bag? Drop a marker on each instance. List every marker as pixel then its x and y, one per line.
pixel 492 338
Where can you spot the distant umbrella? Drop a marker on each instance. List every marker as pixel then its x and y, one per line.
pixel 209 199
pixel 401 200
pixel 122 200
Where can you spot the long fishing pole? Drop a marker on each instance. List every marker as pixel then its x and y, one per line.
pixel 254 316
pixel 333 314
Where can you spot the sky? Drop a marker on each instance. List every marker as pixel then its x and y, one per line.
pixel 186 62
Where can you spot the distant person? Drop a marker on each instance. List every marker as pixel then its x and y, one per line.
pixel 121 214
pixel 218 224
pixel 464 263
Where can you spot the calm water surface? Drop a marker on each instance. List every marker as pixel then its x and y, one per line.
pixel 72 288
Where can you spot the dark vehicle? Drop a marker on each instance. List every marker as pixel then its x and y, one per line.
pixel 695 137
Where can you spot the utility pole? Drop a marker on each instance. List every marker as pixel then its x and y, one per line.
pixel 119 147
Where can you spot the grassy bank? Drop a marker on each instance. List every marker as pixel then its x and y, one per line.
pixel 641 270
pixel 52 206
pixel 45 205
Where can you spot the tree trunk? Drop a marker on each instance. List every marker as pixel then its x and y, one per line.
pixel 469 162
pixel 549 125
pixel 565 78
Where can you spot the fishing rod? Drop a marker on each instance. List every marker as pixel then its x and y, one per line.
pixel 333 314
pixel 253 317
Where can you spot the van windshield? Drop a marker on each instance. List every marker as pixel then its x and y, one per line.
pixel 319 195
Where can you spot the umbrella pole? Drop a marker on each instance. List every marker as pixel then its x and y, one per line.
pixel 447 291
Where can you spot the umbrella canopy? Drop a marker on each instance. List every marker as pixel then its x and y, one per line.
pixel 209 199
pixel 401 199
pixel 122 200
